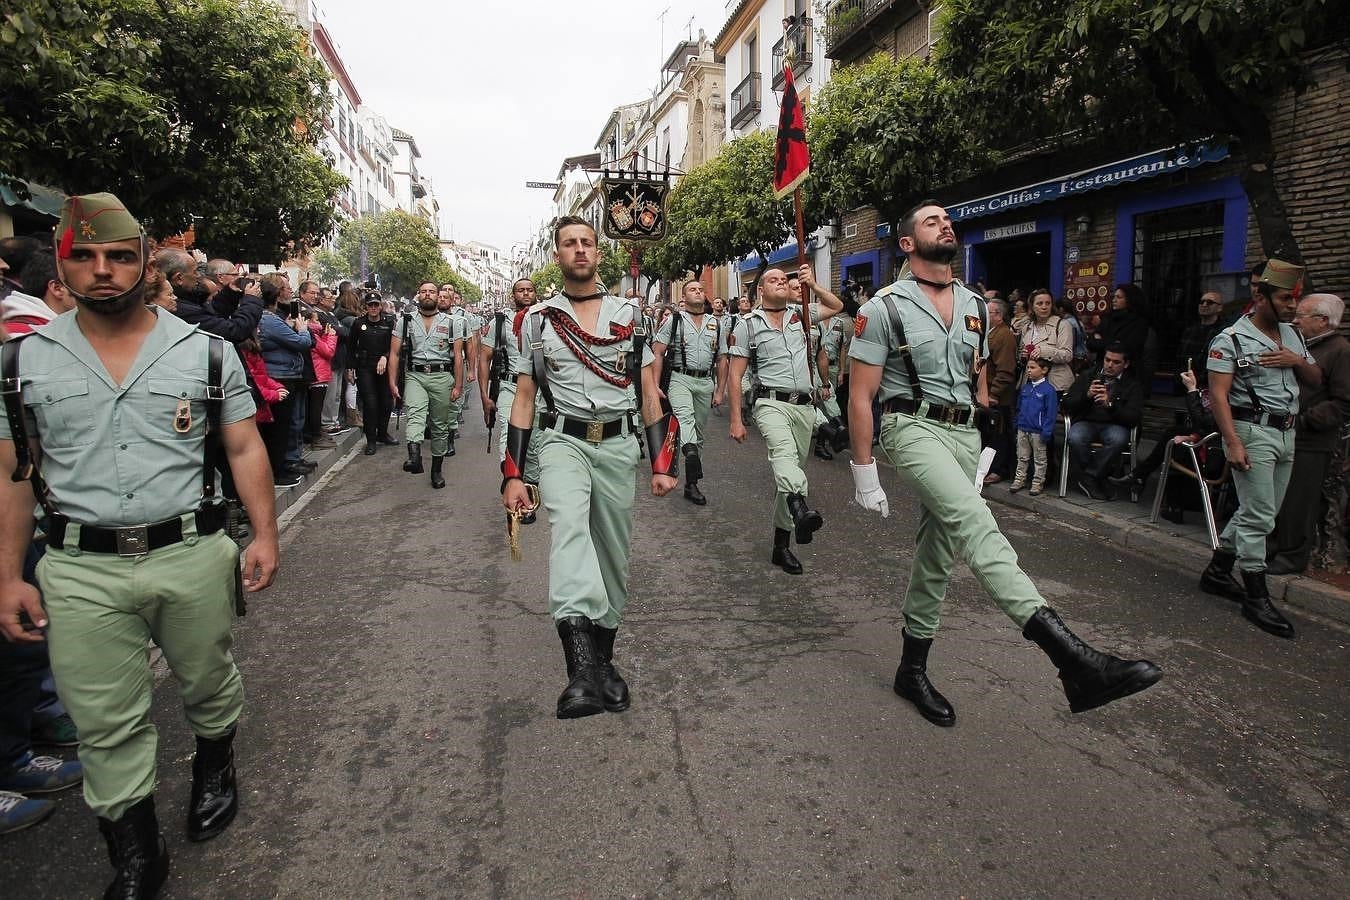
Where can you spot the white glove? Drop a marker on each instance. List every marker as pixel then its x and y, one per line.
pixel 867 488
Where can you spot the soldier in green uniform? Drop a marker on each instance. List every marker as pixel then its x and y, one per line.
pixel 433 382
pixel 692 344
pixel 1255 366
pixel 832 342
pixel 588 361
pixel 469 327
pixel 116 398
pixel 920 344
pixel 499 363
pixel 771 342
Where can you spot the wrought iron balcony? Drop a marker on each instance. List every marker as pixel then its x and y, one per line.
pixel 845 18
pixel 799 39
pixel 745 102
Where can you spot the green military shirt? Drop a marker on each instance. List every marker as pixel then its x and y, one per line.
pixel 943 358
pixel 780 356
pixel 510 343
pixel 469 323
pixel 585 390
pixel 430 344
pixel 1237 350
pixel 699 345
pixel 833 336
pixel 111 454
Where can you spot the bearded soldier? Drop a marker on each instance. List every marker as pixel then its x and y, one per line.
pixel 435 379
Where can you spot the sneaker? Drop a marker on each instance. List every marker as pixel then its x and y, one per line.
pixel 336 430
pixel 1035 491
pixel 55 731
pixel 41 775
pixel 18 812
pixel 287 479
pixel 1016 486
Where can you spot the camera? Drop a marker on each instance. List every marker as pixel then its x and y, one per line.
pixel 370 284
pixel 295 309
pixel 834 432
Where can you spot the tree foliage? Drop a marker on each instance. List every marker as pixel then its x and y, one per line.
pixel 1157 72
pixel 724 210
pixel 885 134
pixel 402 250
pixel 189 110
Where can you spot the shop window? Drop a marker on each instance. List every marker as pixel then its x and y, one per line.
pixel 1175 252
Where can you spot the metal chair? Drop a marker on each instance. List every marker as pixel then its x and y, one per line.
pixel 1198 473
pixel 1127 456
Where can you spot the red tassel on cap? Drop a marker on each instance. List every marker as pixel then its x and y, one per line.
pixel 67 242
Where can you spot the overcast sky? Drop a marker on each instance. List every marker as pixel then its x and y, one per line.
pixel 497 93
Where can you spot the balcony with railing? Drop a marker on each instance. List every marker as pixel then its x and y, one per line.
pixel 745 102
pixel 846 19
pixel 797 43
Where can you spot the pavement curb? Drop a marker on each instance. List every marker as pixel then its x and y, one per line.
pixel 326 459
pixel 1184 553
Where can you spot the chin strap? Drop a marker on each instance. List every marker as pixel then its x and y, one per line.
pixel 663 437
pixel 517 445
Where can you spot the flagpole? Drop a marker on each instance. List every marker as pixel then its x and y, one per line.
pixel 806 298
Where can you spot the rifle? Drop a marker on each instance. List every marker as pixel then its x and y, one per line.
pixel 495 373
pixel 404 361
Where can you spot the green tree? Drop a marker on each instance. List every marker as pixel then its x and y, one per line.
pixel 402 249
pixel 205 111
pixel 883 134
pixel 1155 72
pixel 548 280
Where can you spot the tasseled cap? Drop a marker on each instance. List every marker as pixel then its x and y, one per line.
pixel 94 219
pixel 1281 274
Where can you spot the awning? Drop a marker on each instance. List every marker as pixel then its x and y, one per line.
pixel 41 199
pixel 1136 168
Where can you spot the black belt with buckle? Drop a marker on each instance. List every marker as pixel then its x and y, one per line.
pixel 694 373
pixel 595 432
pixel 1278 421
pixel 799 398
pixel 135 540
pixel 947 415
pixel 433 368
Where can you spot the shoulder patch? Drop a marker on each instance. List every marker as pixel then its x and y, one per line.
pixel 973 324
pixel 1216 354
pixel 859 323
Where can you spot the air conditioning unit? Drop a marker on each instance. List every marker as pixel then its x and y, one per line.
pixel 851 230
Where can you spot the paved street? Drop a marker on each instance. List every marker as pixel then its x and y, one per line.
pixel 399 738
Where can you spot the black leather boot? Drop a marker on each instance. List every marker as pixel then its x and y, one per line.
pixel 613 689
pixel 693 494
pixel 414 463
pixel 137 852
pixel 1257 608
pixel 823 450
pixel 911 682
pixel 437 479
pixel 370 447
pixel 215 798
pixel 1218 576
pixel 782 552
pixel 582 696
pixel 808 521
pixel 450 446
pixel 693 464
pixel 1091 678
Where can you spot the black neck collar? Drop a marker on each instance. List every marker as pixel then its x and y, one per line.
pixel 596 296
pixel 940 285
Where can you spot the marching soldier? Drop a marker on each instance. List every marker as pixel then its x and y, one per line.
pixel 586 359
pixel 125 409
pixel 499 364
pixel 1255 367
pixel 771 343
pixel 695 344
pixel 371 336
pixel 919 344
pixel 434 379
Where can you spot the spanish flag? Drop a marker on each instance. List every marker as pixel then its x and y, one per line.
pixel 791 158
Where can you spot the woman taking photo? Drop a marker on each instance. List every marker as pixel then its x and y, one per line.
pixel 1048 337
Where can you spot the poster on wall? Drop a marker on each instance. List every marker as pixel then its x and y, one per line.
pixel 1087 285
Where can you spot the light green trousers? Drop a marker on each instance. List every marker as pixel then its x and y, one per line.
pixel 1260 492
pixel 427 398
pixel 691 401
pixel 506 396
pixel 104 609
pixel 938 463
pixel 786 429
pixel 588 490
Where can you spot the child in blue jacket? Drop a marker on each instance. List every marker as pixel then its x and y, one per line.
pixel 1037 405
